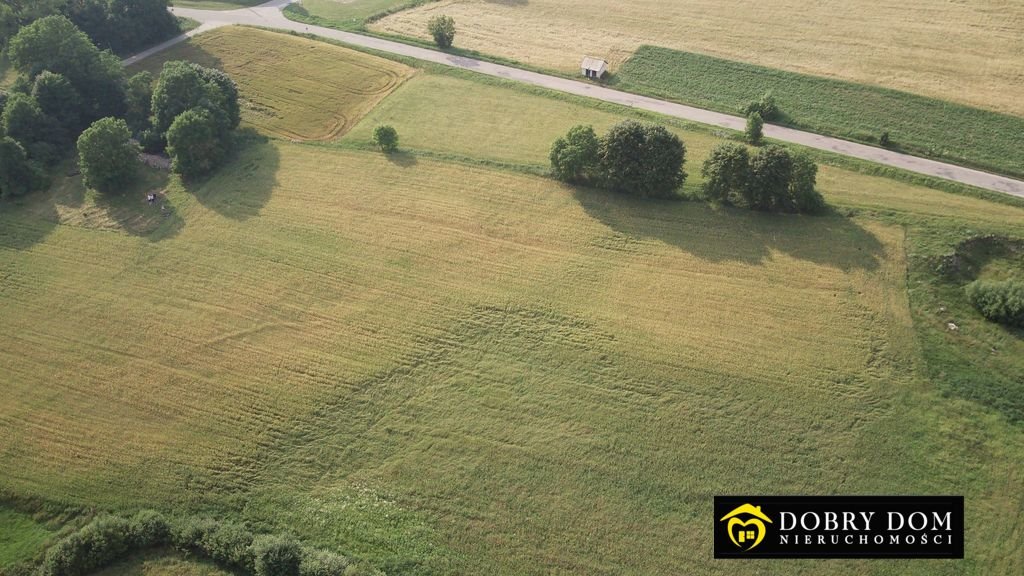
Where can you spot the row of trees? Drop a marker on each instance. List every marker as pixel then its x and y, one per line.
pixel 640 159
pixel 119 25
pixel 772 180
pixel 647 160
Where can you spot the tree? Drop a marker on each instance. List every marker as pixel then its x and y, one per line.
pixel 106 154
pixel 726 173
pixel 58 99
pixel 577 156
pixel 183 86
pixel 765 106
pixel 771 172
pixel 134 24
pixel 54 43
pixel 8 24
pixel 442 28
pixel 16 174
pixel 804 197
pixel 24 121
pixel 755 129
pixel 642 159
pixel 276 556
pixel 386 137
pixel 193 143
pixel 138 101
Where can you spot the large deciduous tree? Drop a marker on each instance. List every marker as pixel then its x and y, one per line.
pixel 726 173
pixel 442 28
pixel 106 154
pixel 576 157
pixel 194 143
pixel 16 173
pixel 643 159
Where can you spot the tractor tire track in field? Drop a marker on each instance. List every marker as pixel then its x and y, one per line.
pixel 269 15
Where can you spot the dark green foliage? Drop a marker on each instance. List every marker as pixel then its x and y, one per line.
pixel 577 156
pixel 58 99
pixel 98 544
pixel 884 140
pixel 194 143
pixel 771 171
pixel 726 173
pixel 855 111
pixel 152 142
pixel 754 132
pixel 442 28
pixel 999 301
pixel 8 24
pixel 149 529
pixel 138 101
pixel 17 175
pixel 386 137
pixel 803 195
pixel 276 556
pixel 223 92
pixel 24 121
pixel 645 160
pixel 322 563
pixel 183 86
pixel 106 155
pixel 55 44
pixel 764 106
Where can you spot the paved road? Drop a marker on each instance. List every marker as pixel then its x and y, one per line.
pixel 269 15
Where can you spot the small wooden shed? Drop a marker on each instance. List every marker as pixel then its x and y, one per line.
pixel 593 67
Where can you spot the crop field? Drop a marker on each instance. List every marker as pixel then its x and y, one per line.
pixel 349 14
pixel 216 4
pixel 953 132
pixel 321 98
pixel 900 45
pixel 442 363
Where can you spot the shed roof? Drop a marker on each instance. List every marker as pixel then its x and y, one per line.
pixel 593 64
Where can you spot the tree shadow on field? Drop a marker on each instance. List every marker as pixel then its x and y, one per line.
pixel 723 234
pixel 402 158
pixel 26 221
pixel 242 186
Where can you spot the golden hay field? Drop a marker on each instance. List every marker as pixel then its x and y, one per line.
pixel 292 87
pixel 968 52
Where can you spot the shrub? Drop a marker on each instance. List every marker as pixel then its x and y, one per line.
pixel 642 159
pixel 229 544
pixel 276 556
pixel 194 143
pixel 322 563
pixel 726 173
pixel 999 301
pixel 149 529
pixel 386 137
pixel 106 154
pixel 96 545
pixel 442 28
pixel 765 107
pixel 884 140
pixel 755 128
pixel 576 157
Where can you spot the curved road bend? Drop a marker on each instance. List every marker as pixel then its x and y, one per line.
pixel 269 15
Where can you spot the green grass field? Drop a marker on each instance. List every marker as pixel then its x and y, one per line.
pixel 916 124
pixel 216 4
pixel 442 363
pixel 20 537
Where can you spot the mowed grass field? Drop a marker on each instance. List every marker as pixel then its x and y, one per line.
pixel 900 45
pixel 292 87
pixel 349 14
pixel 443 364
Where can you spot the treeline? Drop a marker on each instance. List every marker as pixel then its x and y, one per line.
pixel 122 26
pixel 108 539
pixel 647 160
pixel 70 92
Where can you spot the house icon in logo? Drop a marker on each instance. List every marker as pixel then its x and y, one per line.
pixel 746 526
